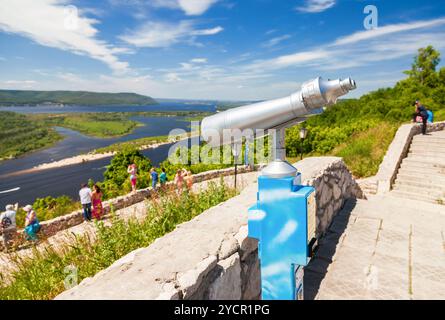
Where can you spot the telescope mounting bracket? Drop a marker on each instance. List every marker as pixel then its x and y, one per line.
pixel 279 167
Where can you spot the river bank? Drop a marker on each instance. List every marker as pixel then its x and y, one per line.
pixel 79 159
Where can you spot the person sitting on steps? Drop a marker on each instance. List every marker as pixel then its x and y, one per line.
pixel 422 113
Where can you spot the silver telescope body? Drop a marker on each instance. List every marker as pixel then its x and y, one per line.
pixel 275 114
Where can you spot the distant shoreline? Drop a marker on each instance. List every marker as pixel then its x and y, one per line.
pixel 79 159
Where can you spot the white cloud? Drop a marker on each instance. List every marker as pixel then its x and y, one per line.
pixel 382 44
pixel 274 41
pixel 314 6
pixel 18 84
pixel 190 7
pixel 199 60
pixel 295 59
pixel 386 30
pixel 207 32
pixel 51 23
pixel 162 34
pixel 195 7
pixel 268 78
pixel 172 77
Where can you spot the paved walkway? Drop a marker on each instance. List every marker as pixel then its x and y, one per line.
pixel 381 248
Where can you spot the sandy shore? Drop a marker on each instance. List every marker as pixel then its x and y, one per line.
pixel 82 158
pixel 86 158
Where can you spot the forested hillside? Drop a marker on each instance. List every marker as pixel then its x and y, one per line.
pixel 85 98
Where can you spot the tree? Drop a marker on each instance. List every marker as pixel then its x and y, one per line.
pixel 424 66
pixel 116 172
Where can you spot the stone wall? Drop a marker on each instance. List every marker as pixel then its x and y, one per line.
pixel 334 184
pixel 211 257
pixel 53 226
pixel 397 151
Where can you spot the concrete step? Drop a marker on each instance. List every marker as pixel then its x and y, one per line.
pixel 440 133
pixel 434 160
pixel 432 167
pixel 414 196
pixel 428 139
pixel 424 191
pixel 422 182
pixel 422 169
pixel 427 154
pixel 422 178
pixel 416 161
pixel 422 148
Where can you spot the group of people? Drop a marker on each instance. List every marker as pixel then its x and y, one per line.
pixel 91 202
pixel 183 178
pixel 422 115
pixel 8 224
pixel 155 177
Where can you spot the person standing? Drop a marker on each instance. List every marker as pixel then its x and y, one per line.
pixel 163 177
pixel 179 180
pixel 132 170
pixel 85 201
pixel 96 198
pixel 8 225
pixel 154 178
pixel 421 112
pixel 189 180
pixel 32 225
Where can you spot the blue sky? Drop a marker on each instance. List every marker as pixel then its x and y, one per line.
pixel 210 49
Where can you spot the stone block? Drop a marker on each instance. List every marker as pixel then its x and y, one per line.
pixel 227 286
pixel 247 245
pixel 191 280
pixel 251 278
pixel 228 247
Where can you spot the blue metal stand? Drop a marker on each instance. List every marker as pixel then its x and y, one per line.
pixel 279 220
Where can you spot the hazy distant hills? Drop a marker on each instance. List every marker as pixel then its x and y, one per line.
pixel 28 97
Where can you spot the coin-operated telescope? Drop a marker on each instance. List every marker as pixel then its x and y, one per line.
pixel 283 219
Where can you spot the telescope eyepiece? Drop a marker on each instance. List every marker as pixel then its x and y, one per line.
pixel 348 84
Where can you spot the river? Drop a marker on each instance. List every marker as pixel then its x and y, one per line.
pixel 25 188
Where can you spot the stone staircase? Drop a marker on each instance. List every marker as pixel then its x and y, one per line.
pixel 381 248
pixel 422 173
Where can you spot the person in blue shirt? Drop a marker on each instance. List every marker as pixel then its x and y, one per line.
pixel 430 116
pixel 154 178
pixel 163 177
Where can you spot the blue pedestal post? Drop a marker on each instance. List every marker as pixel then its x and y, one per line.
pixel 279 220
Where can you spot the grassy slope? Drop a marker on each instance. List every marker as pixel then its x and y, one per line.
pixel 365 150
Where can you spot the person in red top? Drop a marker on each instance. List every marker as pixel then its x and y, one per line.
pixel 132 170
pixel 96 198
